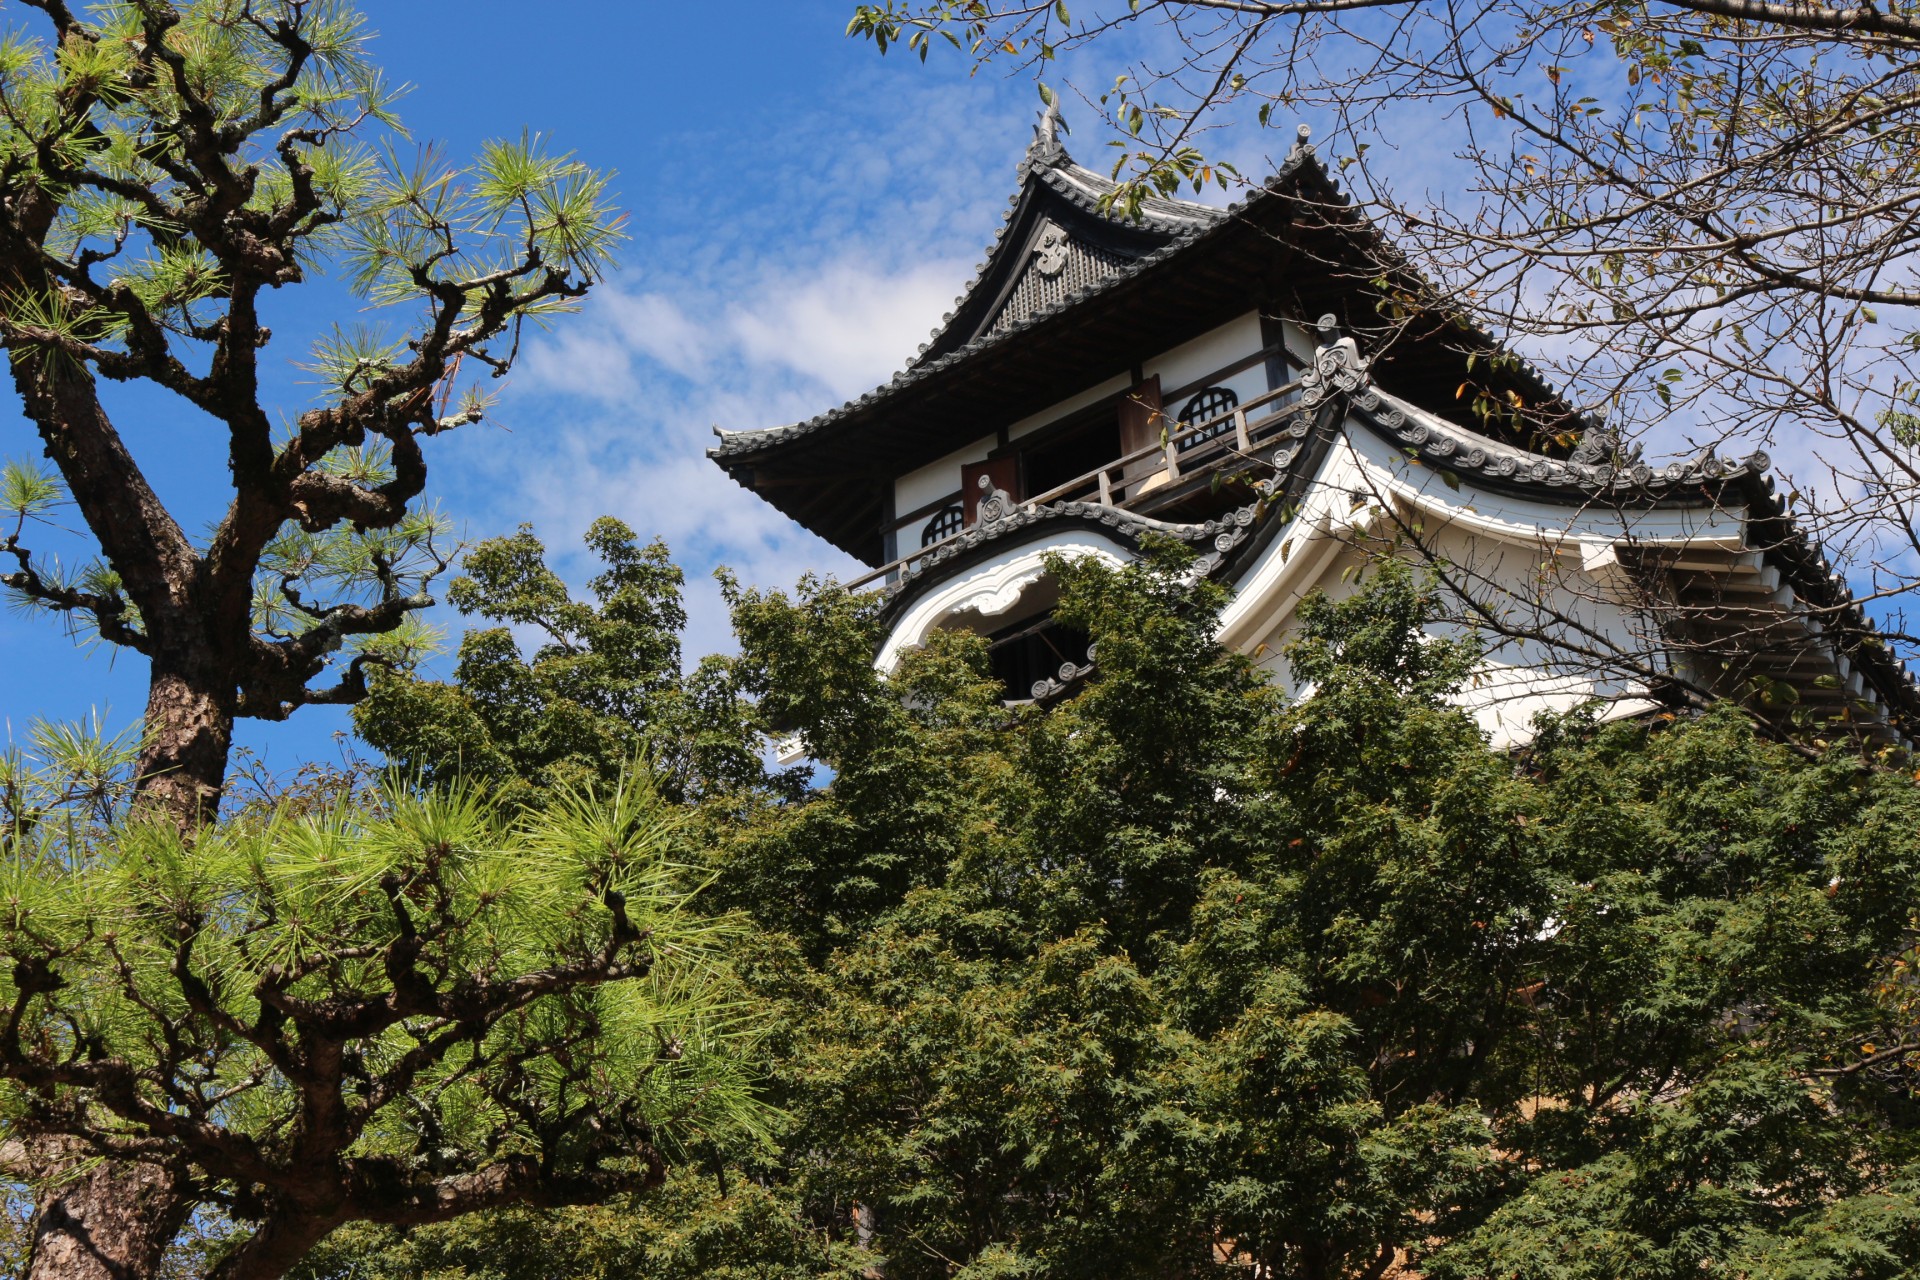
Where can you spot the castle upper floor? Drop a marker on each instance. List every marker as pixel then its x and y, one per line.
pixel 1272 383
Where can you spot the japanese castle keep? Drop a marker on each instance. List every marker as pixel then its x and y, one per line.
pixel 1202 374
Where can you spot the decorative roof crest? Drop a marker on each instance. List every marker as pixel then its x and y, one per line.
pixel 995 504
pixel 1050 250
pixel 1601 445
pixel 1337 365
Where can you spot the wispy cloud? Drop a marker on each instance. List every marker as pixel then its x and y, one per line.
pixel 600 356
pixel 846 326
pixel 839 328
pixel 747 306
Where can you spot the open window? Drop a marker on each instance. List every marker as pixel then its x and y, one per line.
pixel 1082 444
pixel 1064 457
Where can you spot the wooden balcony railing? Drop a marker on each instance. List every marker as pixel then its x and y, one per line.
pixel 1188 449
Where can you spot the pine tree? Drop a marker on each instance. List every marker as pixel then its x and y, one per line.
pixel 396 1008
pixel 163 169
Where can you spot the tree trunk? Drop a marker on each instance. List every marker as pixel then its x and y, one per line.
pixel 94 1221
pixel 183 762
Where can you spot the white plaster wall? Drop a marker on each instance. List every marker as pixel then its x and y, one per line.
pixel 1185 363
pixel 1299 342
pixel 1518 678
pixel 934 481
pixel 1212 350
pixel 1543 566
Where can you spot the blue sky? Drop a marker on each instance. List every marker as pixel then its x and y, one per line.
pixel 802 213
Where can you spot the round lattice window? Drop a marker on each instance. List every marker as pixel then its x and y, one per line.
pixel 945 523
pixel 1213 402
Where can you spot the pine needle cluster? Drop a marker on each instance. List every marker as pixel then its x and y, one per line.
pixel 402 1014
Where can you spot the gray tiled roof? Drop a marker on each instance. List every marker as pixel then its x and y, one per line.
pixel 1182 221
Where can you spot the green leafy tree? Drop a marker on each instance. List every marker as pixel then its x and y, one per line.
pixel 695 1227
pixel 403 1012
pixel 602 686
pixel 1175 978
pixel 163 168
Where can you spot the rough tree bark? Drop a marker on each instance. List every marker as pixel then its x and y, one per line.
pixel 183 761
pixel 191 696
pixel 99 1221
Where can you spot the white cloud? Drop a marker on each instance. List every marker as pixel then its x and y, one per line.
pixel 594 363
pixel 595 356
pixel 843 327
pixel 797 268
pixel 846 326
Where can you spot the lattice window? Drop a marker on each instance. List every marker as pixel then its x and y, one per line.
pixel 945 523
pixel 1209 403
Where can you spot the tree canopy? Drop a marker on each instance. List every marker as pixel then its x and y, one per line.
pixel 602 686
pixel 1177 978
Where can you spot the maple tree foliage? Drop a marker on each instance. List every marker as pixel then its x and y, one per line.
pixel 1175 977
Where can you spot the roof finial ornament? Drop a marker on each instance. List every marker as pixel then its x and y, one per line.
pixel 1602 445
pixel 1046 134
pixel 996 504
pixel 1302 140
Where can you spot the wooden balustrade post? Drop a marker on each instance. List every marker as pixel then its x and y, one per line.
pixel 1240 430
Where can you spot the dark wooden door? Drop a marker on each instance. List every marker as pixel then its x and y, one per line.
pixel 1001 473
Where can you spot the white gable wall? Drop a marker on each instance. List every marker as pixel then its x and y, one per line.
pixel 1534 562
pixel 1518 678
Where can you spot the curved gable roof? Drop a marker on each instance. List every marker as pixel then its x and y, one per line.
pixel 1058 236
pixel 1127 290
